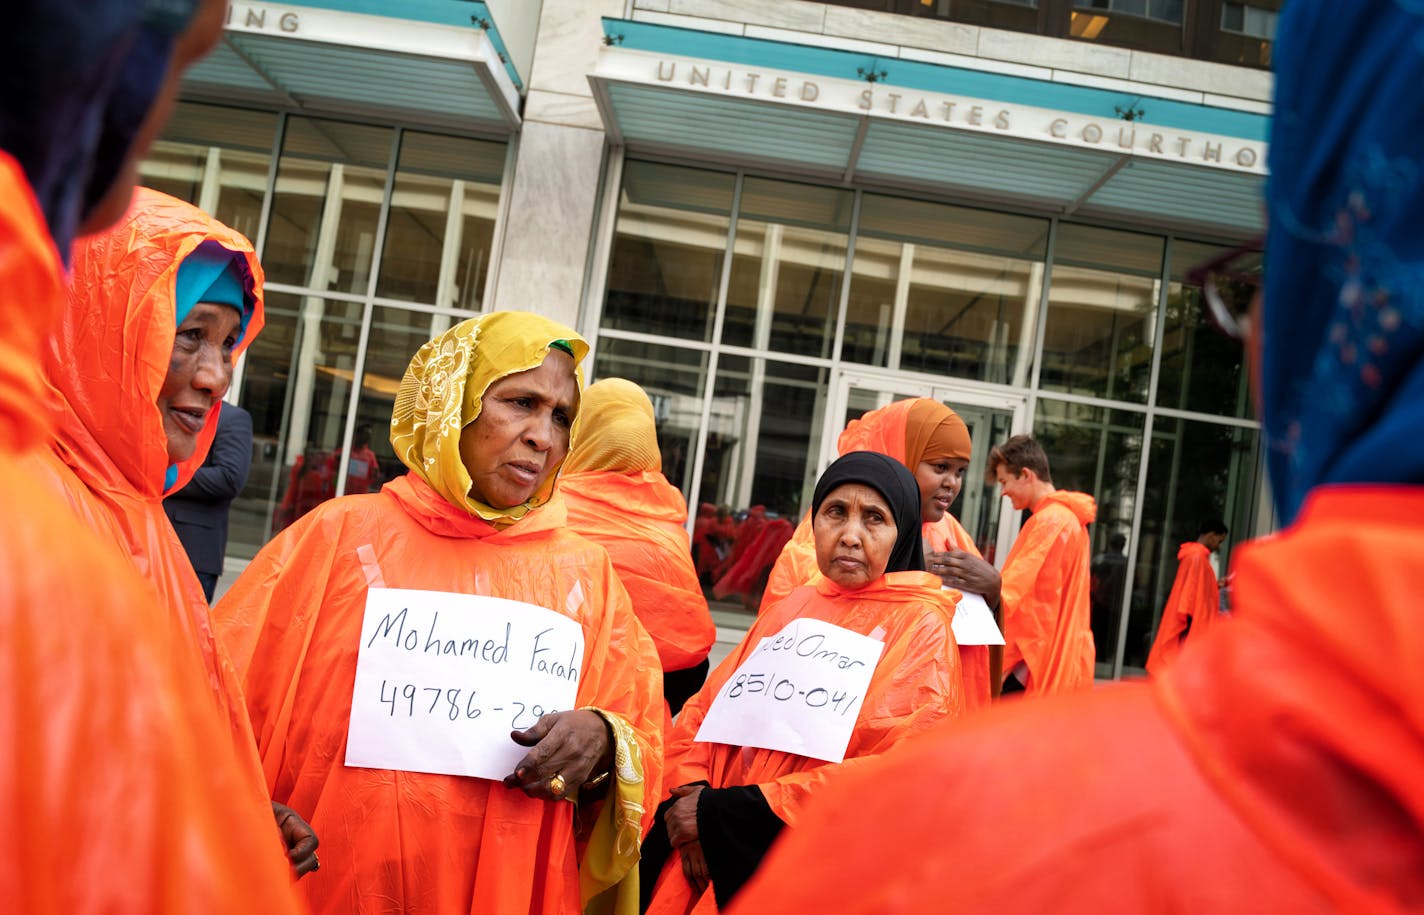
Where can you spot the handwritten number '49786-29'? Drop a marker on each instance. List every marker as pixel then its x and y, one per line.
pixel 447 702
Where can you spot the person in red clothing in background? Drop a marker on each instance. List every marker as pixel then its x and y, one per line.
pixel 1046 577
pixel 1194 605
pixel 1276 765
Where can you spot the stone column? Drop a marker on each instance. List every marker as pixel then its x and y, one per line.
pixel 554 187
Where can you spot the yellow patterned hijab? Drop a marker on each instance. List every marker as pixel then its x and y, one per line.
pixel 443 388
pixel 618 432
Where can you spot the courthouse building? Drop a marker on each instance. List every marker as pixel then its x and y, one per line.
pixel 772 214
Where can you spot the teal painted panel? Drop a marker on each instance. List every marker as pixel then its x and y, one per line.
pixel 1097 103
pixel 1001 166
pixel 355 75
pixel 442 12
pixel 730 127
pixel 1185 193
pixel 224 68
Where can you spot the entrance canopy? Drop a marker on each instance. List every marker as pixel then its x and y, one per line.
pixel 443 64
pixel 843 116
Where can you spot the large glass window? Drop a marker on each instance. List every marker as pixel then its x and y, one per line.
pixel 330 184
pixel 1098 451
pixel 217 159
pixel 297 387
pixel 668 248
pixel 1102 311
pixel 763 435
pixel 1196 472
pixel 321 378
pixel 944 301
pixel 944 290
pixel 674 380
pixel 1203 370
pixel 1230 31
pixel 787 267
pixel 441 223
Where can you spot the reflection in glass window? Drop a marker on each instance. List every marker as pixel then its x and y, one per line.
pixel 396 334
pixel 297 387
pixel 944 290
pixel 674 381
pixel 441 222
pixel 1101 319
pixel 763 437
pixel 1098 451
pixel 216 159
pixel 1196 471
pixel 786 270
pixel 668 246
pixel 1202 370
pixel 327 204
pixel 764 434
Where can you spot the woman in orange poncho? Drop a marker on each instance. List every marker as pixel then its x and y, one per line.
pixel 731 801
pixel 483 420
pixel 1276 765
pixel 111 799
pixel 1194 606
pixel 616 496
pixel 159 306
pixel 933 443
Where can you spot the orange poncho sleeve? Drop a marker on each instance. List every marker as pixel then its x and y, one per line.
pixel 1193 603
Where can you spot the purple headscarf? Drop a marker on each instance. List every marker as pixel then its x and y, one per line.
pixel 1343 360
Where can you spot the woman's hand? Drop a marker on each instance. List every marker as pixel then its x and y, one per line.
pixel 694 867
pixel 966 572
pixel 299 838
pixel 572 745
pixel 682 816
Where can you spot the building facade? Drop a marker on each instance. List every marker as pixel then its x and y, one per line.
pixel 773 216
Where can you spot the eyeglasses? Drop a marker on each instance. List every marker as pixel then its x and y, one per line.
pixel 1228 283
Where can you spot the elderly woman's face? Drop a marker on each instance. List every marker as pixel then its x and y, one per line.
pixel 522 433
pixel 855 535
pixel 199 371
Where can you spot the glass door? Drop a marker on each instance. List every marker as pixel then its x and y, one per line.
pixel 992 416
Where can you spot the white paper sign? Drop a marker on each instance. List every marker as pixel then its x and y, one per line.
pixel 799 691
pixel 443 678
pixel 974 622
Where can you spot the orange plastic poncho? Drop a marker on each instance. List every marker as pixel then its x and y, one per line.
pixel 1194 602
pixel 885 430
pixel 111 795
pixel 1047 616
pixel 1274 767
pixel 105 366
pixel 617 497
pixel 416 842
pixel 916 684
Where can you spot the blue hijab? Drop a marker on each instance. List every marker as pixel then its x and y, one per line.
pixel 1343 336
pixel 76 81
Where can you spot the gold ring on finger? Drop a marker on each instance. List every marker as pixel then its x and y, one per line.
pixel 557 785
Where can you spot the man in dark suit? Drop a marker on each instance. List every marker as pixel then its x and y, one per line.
pixel 199 510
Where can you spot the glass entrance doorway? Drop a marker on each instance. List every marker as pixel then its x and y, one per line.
pixel 991 415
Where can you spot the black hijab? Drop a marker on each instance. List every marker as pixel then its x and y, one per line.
pixel 896 485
